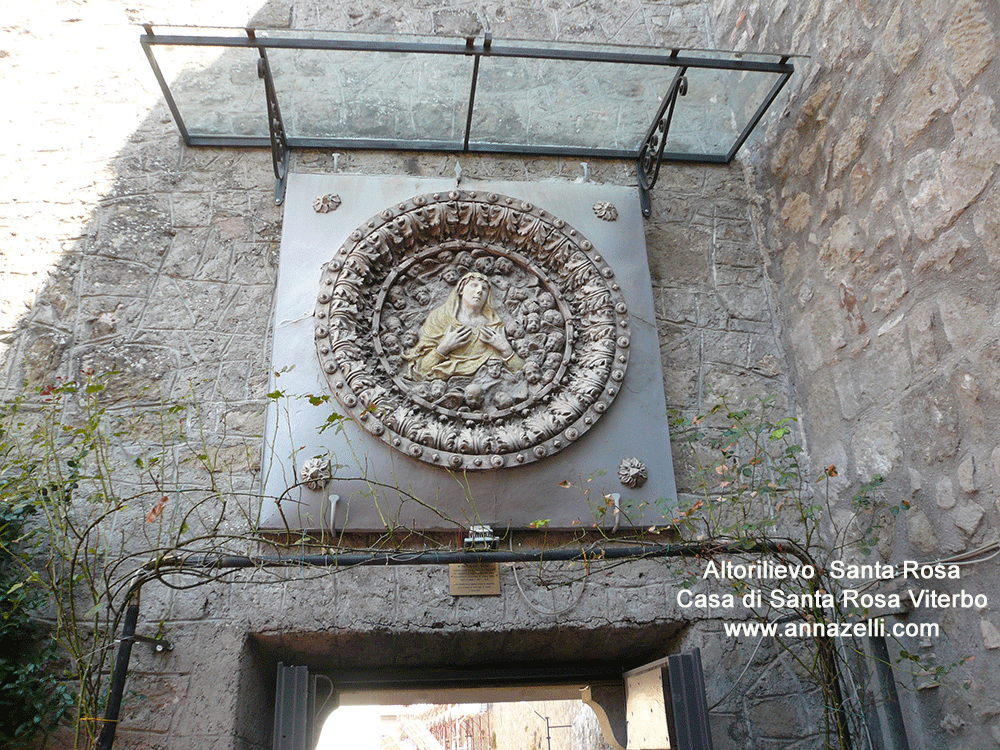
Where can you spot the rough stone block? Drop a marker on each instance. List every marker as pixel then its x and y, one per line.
pixel 967 474
pixel 963 320
pixel 842 246
pixel 932 425
pixel 927 203
pixel 972 159
pixel 945 496
pixel 848 145
pixel 967 517
pixel 991 636
pixel 941 252
pixel 929 94
pixel 921 532
pixel 969 38
pixel 921 328
pixel 899 42
pixel 888 291
pixel 876 449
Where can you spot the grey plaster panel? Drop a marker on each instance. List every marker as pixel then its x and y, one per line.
pixel 430 497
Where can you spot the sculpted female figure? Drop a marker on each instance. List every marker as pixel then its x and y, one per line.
pixel 461 335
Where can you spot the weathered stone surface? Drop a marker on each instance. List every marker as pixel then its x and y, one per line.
pixel 876 449
pixel 842 246
pixel 972 159
pixel 967 517
pixel 888 291
pixel 941 252
pixel 963 320
pixel 921 532
pixel 945 494
pixel 848 145
pixel 929 94
pixel 932 423
pixel 927 202
pixel 899 41
pixel 967 474
pixel 797 212
pixel 970 40
pixel 991 636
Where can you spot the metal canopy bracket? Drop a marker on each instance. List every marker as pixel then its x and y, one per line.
pixel 275 126
pixel 568 100
pixel 651 153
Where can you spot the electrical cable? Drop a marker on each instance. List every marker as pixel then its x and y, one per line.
pixel 737 680
pixel 535 607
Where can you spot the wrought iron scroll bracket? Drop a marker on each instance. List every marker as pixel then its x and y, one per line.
pixel 275 125
pixel 651 153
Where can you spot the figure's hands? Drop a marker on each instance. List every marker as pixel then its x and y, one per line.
pixel 495 338
pixel 453 339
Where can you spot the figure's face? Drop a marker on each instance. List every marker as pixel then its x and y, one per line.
pixel 495 368
pixel 437 389
pixel 474 293
pixel 531 373
pixel 474 396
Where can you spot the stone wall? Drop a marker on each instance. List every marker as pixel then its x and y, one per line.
pixel 879 204
pixel 122 248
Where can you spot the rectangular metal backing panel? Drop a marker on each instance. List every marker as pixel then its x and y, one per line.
pixel 566 488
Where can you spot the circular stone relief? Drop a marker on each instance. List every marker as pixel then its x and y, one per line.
pixel 471 330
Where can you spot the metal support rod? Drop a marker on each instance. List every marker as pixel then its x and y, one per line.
pixel 472 103
pixel 107 736
pixel 487 46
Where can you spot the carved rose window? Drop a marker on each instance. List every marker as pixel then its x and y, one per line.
pixel 471 330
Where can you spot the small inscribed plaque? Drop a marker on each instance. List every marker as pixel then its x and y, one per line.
pixel 482 579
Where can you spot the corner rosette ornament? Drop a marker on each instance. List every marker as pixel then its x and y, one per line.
pixel 315 473
pixel 472 331
pixel 632 472
pixel 324 204
pixel 606 210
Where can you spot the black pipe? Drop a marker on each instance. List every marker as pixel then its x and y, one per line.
pixel 107 736
pixel 468 557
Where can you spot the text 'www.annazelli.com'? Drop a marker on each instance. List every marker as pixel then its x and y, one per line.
pixel 804 629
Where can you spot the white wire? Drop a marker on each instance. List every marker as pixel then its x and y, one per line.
pixel 535 607
pixel 737 681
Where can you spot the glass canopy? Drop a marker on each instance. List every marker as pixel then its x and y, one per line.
pixel 307 89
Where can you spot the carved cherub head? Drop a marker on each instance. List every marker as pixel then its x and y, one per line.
pixel 423 297
pixel 494 367
pixel 552 318
pixel 436 390
pixel 484 265
pixel 475 395
pixel 532 372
